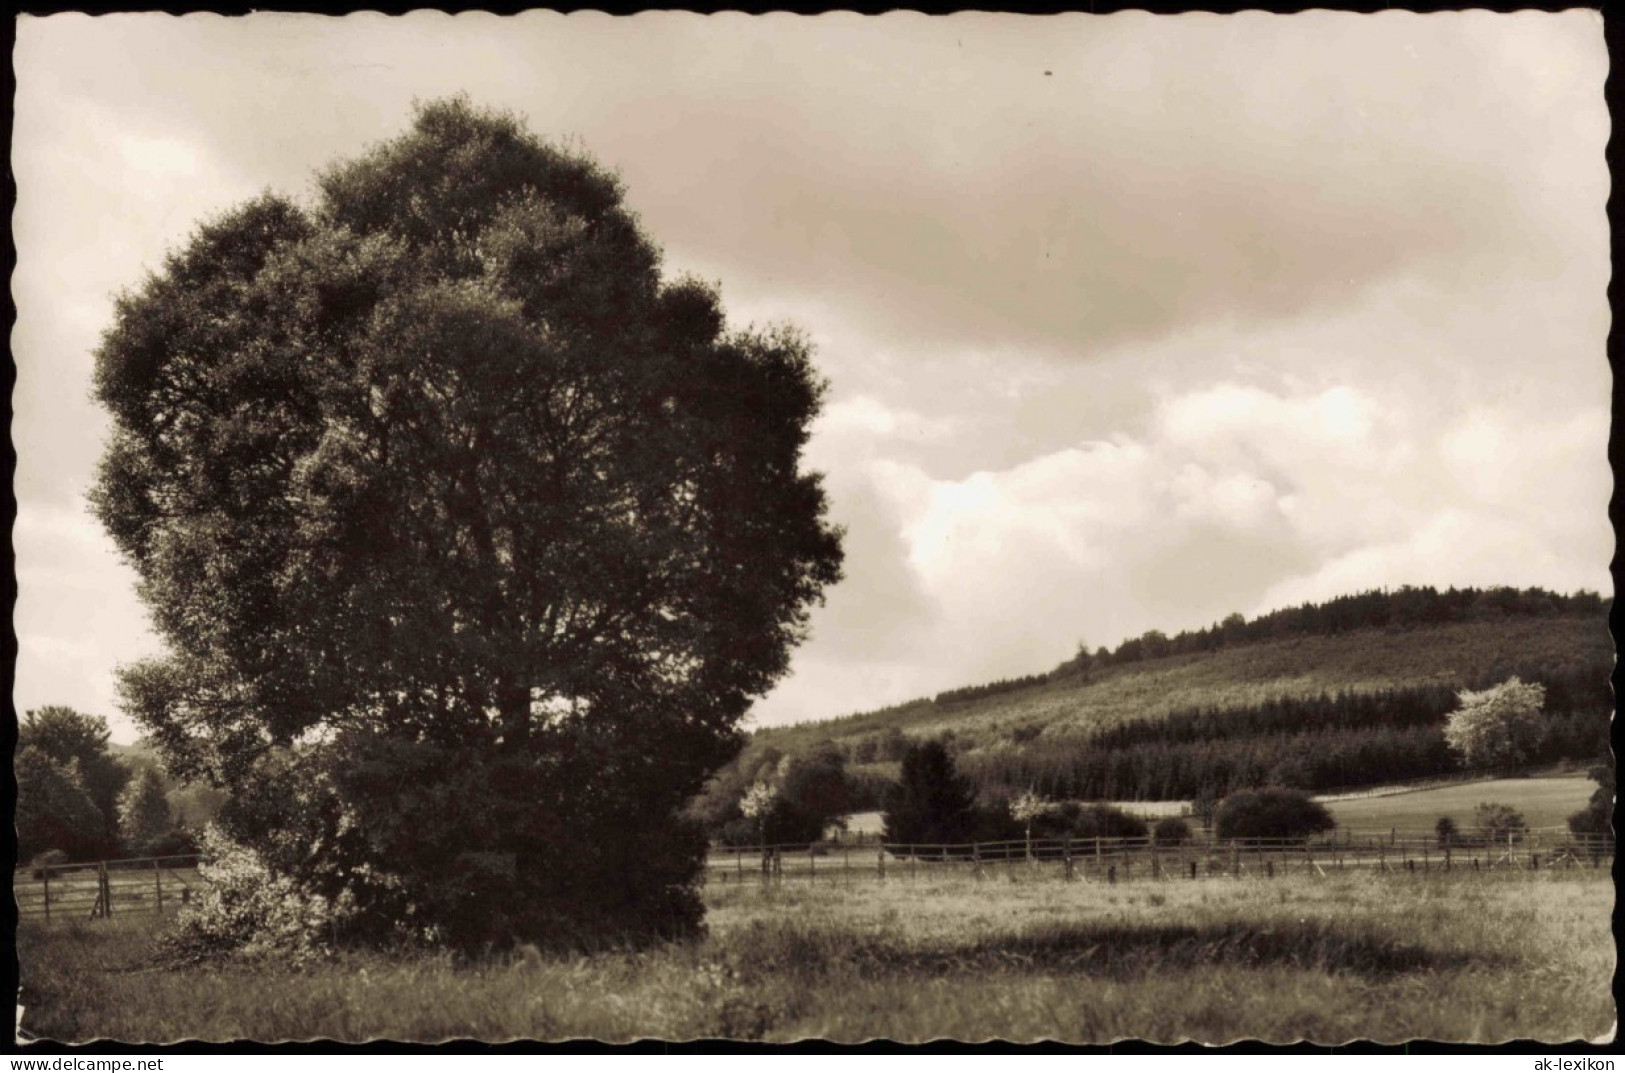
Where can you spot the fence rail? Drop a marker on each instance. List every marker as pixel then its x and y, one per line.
pixel 101 888
pixel 1121 859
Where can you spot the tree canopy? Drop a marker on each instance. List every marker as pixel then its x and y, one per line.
pixel 79 744
pixel 1499 726
pixel 439 472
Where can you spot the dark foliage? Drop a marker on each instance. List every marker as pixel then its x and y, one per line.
pixel 441 473
pixel 80 742
pixel 1598 816
pixel 1072 820
pixel 1271 813
pixel 932 802
pixel 1171 831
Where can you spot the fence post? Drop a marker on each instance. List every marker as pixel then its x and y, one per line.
pixel 1427 861
pixel 812 866
pixel 1193 869
pixel 880 862
pixel 1111 874
pixel 1066 855
pixel 157 886
pixel 1156 866
pixel 46 872
pixel 740 862
pixel 976 859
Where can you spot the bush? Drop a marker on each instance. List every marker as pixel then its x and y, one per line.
pixel 1499 823
pixel 245 908
pixel 1072 820
pixel 1598 816
pixel 46 863
pixel 1271 813
pixel 1171 831
pixel 1447 832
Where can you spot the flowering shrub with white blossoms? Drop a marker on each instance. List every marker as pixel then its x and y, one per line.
pixel 244 907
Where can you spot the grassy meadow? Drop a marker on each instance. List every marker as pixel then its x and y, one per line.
pixel 1544 801
pixel 1464 956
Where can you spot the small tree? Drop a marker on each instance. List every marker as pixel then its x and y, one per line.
pixel 1499 823
pixel 1598 816
pixel 1497 727
pixel 144 818
pixel 1271 813
pixel 1446 831
pixel 1204 805
pixel 1025 808
pixel 757 804
pixel 932 802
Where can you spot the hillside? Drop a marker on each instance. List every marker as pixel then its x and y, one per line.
pixel 1362 661
pixel 1316 710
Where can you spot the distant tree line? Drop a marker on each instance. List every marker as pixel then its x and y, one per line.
pixel 1310 743
pixel 989 689
pixel 1404 608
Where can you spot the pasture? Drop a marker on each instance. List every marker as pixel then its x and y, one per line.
pixel 1544 802
pixel 1458 956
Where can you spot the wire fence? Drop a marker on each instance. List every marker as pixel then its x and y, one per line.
pixel 1113 860
pixel 157 885
pixel 98 889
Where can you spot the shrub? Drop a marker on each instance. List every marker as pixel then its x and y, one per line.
pixel 1072 820
pixel 1598 816
pixel 1499 823
pixel 1446 831
pixel 245 908
pixel 1271 813
pixel 46 863
pixel 1171 831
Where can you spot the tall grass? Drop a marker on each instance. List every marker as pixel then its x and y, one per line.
pixel 1458 957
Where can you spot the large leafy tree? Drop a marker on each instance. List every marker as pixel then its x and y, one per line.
pixel 79 742
pixel 53 810
pixel 472 537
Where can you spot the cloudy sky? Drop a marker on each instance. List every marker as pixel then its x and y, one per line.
pixel 1130 322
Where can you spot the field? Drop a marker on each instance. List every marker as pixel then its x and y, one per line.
pixel 1463 956
pixel 1544 802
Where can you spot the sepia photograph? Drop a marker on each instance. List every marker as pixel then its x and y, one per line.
pixel 985 527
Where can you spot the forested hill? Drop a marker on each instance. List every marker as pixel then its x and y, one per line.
pixel 1285 679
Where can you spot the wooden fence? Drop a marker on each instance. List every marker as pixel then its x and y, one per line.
pixel 1113 860
pixel 101 888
